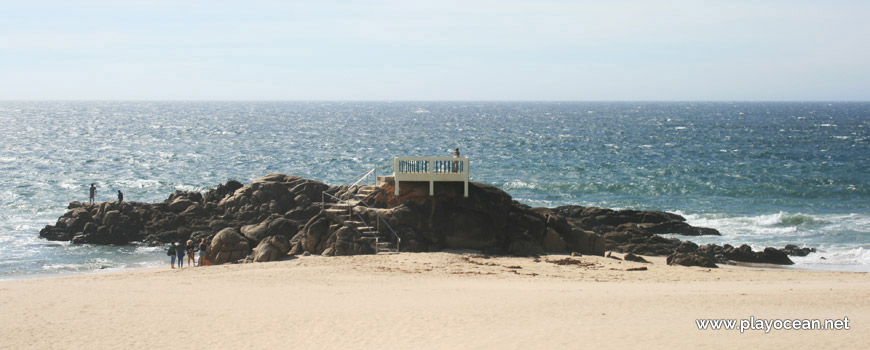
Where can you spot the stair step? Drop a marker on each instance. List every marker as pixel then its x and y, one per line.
pixel 365 228
pixel 335 210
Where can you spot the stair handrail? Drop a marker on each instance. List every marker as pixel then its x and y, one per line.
pixel 349 185
pixel 357 180
pixel 323 196
pixel 366 175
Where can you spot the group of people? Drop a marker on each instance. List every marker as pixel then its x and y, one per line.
pixel 93 194
pixel 179 250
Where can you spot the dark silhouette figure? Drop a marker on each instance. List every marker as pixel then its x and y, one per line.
pixel 456 163
pixel 120 197
pixel 93 193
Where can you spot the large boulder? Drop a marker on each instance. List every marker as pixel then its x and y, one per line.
pixel 228 245
pixel 772 255
pixel 180 204
pixel 273 226
pixel 192 196
pixel 691 259
pixel 271 248
pixel 222 190
pixel 344 240
pixel 450 220
pixel 585 242
pixel 112 218
pixel 553 242
pixel 794 250
pixel 315 234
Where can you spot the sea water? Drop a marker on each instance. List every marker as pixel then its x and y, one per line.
pixel 766 174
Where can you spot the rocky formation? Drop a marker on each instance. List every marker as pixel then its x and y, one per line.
pixel 691 259
pixel 273 205
pixel 793 250
pixel 280 214
pixel 635 258
pixel 744 253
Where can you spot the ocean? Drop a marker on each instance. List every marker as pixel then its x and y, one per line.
pixel 766 174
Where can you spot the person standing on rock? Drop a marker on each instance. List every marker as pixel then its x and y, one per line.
pixel 203 248
pixel 456 163
pixel 120 196
pixel 179 249
pixel 171 254
pixel 93 193
pixel 191 258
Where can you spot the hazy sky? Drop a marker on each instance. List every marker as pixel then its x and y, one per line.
pixel 435 50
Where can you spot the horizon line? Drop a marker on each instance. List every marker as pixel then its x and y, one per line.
pixel 436 101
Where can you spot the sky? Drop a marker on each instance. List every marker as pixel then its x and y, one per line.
pixel 435 50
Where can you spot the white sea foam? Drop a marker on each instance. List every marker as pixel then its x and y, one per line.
pixel 519 184
pixel 829 234
pixel 836 258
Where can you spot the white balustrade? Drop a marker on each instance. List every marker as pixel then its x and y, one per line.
pixel 432 170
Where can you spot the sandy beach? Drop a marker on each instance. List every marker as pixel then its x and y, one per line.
pixel 458 300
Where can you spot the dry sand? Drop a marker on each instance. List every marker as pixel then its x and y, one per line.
pixel 430 301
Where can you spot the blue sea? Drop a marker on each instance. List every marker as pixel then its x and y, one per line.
pixel 766 174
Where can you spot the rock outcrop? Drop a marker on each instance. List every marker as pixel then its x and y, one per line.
pixel 691 259
pixel 488 220
pixel 279 214
pixel 793 250
pixel 744 253
pixel 267 207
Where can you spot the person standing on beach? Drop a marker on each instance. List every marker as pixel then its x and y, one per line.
pixel 172 254
pixel 191 258
pixel 179 249
pixel 203 248
pixel 120 197
pixel 93 193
